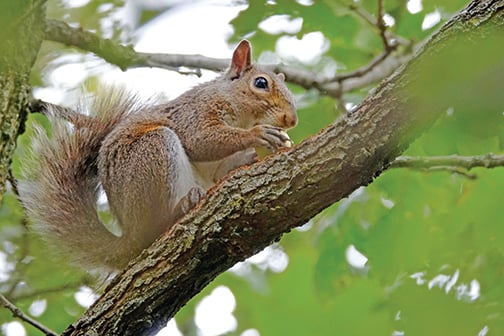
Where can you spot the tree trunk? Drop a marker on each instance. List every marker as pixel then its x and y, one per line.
pixel 21 35
pixel 256 205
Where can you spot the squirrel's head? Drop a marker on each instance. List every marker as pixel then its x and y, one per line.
pixel 261 95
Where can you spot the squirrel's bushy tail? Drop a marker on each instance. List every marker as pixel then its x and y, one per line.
pixel 59 186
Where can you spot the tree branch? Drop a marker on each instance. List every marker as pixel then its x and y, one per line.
pixel 16 312
pixel 51 290
pixel 454 161
pixel 112 52
pixel 381 65
pixel 16 61
pixel 382 28
pixel 254 206
pixel 126 57
pixel 367 17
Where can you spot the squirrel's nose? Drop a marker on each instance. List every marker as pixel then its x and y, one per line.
pixel 290 119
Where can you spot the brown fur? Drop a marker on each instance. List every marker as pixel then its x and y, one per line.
pixel 154 161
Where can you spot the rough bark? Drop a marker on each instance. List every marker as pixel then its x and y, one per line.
pixel 21 36
pixel 256 205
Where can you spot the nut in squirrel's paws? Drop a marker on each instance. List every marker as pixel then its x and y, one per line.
pixel 262 152
pixel 288 143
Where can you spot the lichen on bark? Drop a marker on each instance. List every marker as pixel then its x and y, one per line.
pixel 21 36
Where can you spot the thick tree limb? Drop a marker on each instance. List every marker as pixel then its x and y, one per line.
pixel 126 57
pixel 255 205
pixel 21 36
pixel 16 60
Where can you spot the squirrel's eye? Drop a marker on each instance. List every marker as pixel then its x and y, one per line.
pixel 261 83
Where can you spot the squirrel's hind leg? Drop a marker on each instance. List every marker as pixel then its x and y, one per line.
pixel 146 175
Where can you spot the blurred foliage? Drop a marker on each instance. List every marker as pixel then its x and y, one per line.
pixel 89 15
pixel 434 241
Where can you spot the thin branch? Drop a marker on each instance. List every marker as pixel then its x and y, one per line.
pixel 16 312
pixel 110 51
pixel 389 40
pixel 454 170
pixel 364 69
pixel 390 44
pixel 366 76
pixel 382 28
pixel 126 57
pixel 175 61
pixel 367 17
pixel 449 162
pixel 51 290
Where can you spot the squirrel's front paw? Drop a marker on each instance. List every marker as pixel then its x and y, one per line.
pixel 271 137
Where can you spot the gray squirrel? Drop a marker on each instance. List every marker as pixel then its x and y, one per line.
pixel 153 160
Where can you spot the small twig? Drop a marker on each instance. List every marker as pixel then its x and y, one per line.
pixel 362 70
pixel 382 28
pixel 16 312
pixel 451 162
pixel 454 170
pixel 52 290
pixel 390 43
pixel 363 14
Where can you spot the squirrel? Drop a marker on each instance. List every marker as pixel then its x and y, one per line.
pixel 154 161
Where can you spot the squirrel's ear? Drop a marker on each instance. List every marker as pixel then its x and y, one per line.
pixel 241 59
